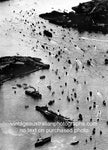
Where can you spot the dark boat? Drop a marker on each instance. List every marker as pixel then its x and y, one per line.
pixel 75 143
pixel 33 94
pixel 49 87
pixel 47 33
pixel 41 141
pixel 42 77
pixel 18 85
pixel 51 102
pixel 54 117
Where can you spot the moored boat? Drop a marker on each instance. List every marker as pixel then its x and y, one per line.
pixel 33 94
pixel 42 141
pixel 75 143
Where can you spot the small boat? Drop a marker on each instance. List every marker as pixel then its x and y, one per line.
pixel 25 88
pixel 33 94
pixel 75 143
pixel 26 106
pixel 49 87
pixel 13 87
pixel 42 77
pixel 18 85
pixel 47 33
pixel 51 102
pixel 42 141
pixel 25 84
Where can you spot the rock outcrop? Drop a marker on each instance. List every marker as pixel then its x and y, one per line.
pixel 15 66
pixel 90 16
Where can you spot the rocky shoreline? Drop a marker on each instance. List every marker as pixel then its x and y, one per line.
pixel 17 66
pixel 89 16
pixel 3 0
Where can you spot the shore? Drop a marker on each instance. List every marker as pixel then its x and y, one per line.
pixel 18 66
pixel 89 16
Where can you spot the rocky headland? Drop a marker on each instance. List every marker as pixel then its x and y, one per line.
pixel 16 66
pixel 89 16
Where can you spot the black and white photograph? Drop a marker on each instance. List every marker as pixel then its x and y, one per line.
pixel 53 74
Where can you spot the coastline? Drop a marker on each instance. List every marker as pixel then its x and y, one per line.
pixel 22 63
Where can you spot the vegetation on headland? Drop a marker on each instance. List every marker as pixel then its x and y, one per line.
pixel 16 66
pixel 89 16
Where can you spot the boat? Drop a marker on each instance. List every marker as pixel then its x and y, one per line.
pixel 54 117
pixel 49 87
pixel 42 141
pixel 42 77
pixel 75 143
pixel 51 102
pixel 18 85
pixel 33 94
